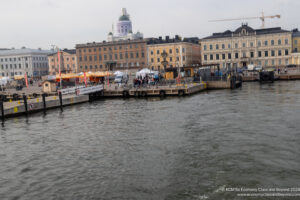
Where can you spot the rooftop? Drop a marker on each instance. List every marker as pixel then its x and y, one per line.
pixel 167 40
pixel 22 51
pixel 105 43
pixel 245 30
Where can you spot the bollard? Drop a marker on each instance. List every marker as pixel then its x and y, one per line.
pixel 25 104
pixel 44 101
pixel 60 100
pixel 2 110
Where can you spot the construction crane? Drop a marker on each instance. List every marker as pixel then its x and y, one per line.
pixel 262 18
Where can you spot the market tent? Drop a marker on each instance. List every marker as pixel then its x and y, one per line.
pixel 144 72
pixel 118 73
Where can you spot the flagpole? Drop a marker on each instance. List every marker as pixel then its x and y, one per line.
pixel 59 67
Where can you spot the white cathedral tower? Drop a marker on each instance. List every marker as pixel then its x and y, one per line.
pixel 124 29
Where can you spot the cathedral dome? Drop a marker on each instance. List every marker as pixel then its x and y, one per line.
pixel 124 18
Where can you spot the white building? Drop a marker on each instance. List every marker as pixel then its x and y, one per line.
pixel 34 62
pixel 124 29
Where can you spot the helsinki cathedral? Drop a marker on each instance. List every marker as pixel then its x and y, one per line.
pixel 124 29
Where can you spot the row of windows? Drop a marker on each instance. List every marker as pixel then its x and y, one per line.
pixel 132 64
pixel 244 55
pixel 40 65
pixel 11 66
pixel 170 51
pixel 12 73
pixel 244 44
pixel 170 59
pixel 56 59
pixel 265 62
pixel 26 58
pixel 68 66
pixel 111 48
pixel 110 56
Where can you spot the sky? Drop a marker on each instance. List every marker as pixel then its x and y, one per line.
pixel 65 23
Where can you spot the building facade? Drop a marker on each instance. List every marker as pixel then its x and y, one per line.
pixel 124 29
pixel 123 54
pixel 271 47
pixel 68 61
pixel 34 62
pixel 169 53
pixel 296 41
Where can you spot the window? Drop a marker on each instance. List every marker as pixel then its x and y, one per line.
pixel 152 60
pixel 229 46
pixel 223 46
pixel 244 45
pixel 223 56
pixel 100 57
pixel 170 51
pixel 126 55
pixel 91 58
pixel 91 67
pixel 295 42
pixel 171 59
pixel 177 58
pixel 251 54
pixel 80 58
pixel 244 55
pixel 110 56
pixel 85 58
pixel 217 46
pixel 286 52
pixel 177 51
pixel 211 57
pixel 272 53
pixel 204 47
pixel 266 62
pixel 273 62
pixel 158 60
pixel 183 50
pixel 151 52
pixel 266 42
pixel 251 44
pixel 259 43
pixel 229 56
pixel 210 47
pixel 157 52
pixel 236 45
pixel 266 53
pixel 143 54
pixel 105 57
pixel 279 53
pixel 95 58
pixel 236 55
pixel 121 56
pixel 183 58
pixel 286 61
pixel 116 56
pixel 137 54
pixel 131 55
pixel 205 57
pixel 286 41
pixel 86 67
pixel 272 42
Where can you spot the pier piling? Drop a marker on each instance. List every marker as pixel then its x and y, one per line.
pixel 2 110
pixel 25 104
pixel 60 100
pixel 44 102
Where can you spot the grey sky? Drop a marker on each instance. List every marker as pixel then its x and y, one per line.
pixel 40 23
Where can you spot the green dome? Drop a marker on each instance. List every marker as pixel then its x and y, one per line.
pixel 124 18
pixel 110 33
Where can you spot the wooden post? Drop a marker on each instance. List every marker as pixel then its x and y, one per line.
pixel 44 102
pixel 25 103
pixel 2 110
pixel 60 100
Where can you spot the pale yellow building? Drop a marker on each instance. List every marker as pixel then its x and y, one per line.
pixel 171 53
pixel 295 59
pixel 296 41
pixel 271 47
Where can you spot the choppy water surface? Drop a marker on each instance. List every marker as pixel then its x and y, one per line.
pixel 175 148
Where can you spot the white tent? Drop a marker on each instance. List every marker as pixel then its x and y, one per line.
pixel 4 80
pixel 145 71
pixel 118 73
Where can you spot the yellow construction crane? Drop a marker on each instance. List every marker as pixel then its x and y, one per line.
pixel 262 18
